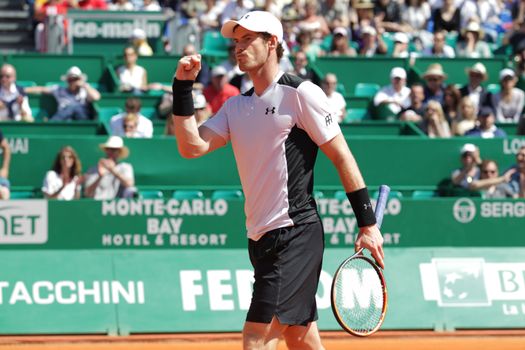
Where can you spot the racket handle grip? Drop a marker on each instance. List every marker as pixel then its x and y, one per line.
pixel 384 190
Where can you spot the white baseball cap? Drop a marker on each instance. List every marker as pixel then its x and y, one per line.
pixel 199 101
pixel 138 33
pixel 468 147
pixel 368 30
pixel 507 72
pixel 401 37
pixel 255 21
pixel 398 72
pixel 218 70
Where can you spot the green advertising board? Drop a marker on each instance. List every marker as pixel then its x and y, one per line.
pixel 156 224
pixel 134 291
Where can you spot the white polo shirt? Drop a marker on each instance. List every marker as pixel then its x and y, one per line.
pixel 275 139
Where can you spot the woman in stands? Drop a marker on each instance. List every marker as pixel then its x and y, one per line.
pixel 64 180
pixel 133 78
pixel 466 117
pixel 434 123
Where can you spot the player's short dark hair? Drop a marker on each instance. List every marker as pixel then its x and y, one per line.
pixel 279 50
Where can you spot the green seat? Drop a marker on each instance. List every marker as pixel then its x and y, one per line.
pixel 53 83
pixel 214 43
pixel 105 113
pixel 422 194
pixel 493 88
pixel 39 113
pixel 187 194
pixel 383 112
pixel 149 112
pixel 22 194
pixel 25 83
pixel 392 194
pixel 355 114
pixel 341 195
pixel 318 194
pixel 366 89
pixel 150 194
pixel 227 194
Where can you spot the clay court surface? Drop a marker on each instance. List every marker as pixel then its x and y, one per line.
pixel 393 340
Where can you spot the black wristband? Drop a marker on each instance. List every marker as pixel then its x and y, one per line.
pixel 182 97
pixel 360 201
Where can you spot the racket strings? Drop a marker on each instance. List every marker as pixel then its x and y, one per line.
pixel 359 296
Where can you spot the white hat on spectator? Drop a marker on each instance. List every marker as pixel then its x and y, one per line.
pixel 217 71
pixel 400 37
pixel 506 72
pixel 199 101
pixel 368 30
pixel 340 31
pixel 73 72
pixel 468 147
pixel 255 21
pixel 116 142
pixel 398 72
pixel 479 68
pixel 473 26
pixel 138 33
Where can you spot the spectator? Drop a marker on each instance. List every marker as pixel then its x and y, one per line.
pixel 472 44
pixel 203 78
pixel 313 22
pixel 469 171
pixel 140 42
pixel 111 178
pixel 14 104
pixel 236 9
pixel 508 103
pixel 434 87
pixel 336 101
pixel 397 94
pixel 64 180
pixel 416 110
pixel 230 64
pixel 400 45
pixel 340 43
pixel 5 185
pixel 202 112
pixel 209 16
pixel 451 103
pixel 477 74
pixel 75 100
pixel 439 47
pixel 517 181
pixel 143 127
pixel 447 18
pixel 371 43
pixel 121 5
pixel 484 12
pixel 219 90
pixel 434 123
pixel 335 13
pixel 92 5
pixel 133 78
pixel 521 126
pixel 388 13
pixel 519 60
pixel 150 5
pixel 491 184
pixel 486 128
pixel 361 16
pixel 301 68
pixel 306 44
pixel 415 16
pixel 466 118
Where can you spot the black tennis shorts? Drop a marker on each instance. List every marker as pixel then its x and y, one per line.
pixel 287 264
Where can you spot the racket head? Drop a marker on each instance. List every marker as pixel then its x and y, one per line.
pixel 359 296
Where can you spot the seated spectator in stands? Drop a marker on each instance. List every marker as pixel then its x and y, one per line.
pixel 415 111
pixel 74 102
pixel 477 74
pixel 143 127
pixel 471 43
pixel 133 78
pixel 397 94
pixel 415 16
pixel 486 13
pixel 14 104
pixel 305 43
pixel 5 185
pixel 111 178
pixel 371 43
pixel 509 102
pixel 486 128
pixel 439 47
pixel 64 180
pixel 202 112
pixel 313 22
pixel 208 17
pixel 92 4
pixel 434 123
pixel 451 103
pixel 469 171
pixel 361 15
pixel 121 5
pixel 301 68
pixel 140 42
pixel 219 90
pixel 491 184
pixel 235 9
pixel 447 17
pixel 335 13
pixel 434 87
pixel 230 64
pixel 466 117
pixel 388 12
pixel 517 180
pixel 340 43
pixel 336 101
pixel 150 5
pixel 400 45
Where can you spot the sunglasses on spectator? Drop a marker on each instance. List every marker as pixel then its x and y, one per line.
pixel 434 79
pixel 489 171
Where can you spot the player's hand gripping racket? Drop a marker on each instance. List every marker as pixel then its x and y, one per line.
pixel 359 297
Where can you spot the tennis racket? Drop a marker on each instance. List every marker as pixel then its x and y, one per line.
pixel 359 296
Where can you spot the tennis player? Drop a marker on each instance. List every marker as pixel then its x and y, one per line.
pixel 276 129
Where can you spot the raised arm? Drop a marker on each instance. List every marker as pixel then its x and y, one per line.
pixel 369 235
pixel 192 141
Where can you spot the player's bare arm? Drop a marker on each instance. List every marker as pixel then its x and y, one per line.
pixel 192 141
pixel 337 151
